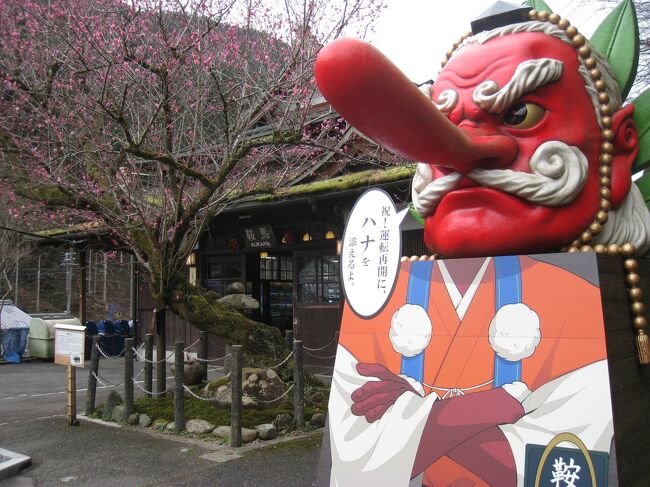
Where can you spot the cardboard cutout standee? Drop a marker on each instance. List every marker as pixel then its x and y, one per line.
pixel 499 370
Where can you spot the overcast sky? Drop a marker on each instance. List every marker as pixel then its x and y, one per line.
pixel 415 34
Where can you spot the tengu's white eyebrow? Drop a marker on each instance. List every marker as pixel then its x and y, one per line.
pixel 528 76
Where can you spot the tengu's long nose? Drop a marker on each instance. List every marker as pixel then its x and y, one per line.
pixel 373 95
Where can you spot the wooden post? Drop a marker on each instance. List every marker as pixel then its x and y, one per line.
pixel 133 299
pixel 179 392
pixel 288 338
pixel 72 396
pixel 298 385
pixel 128 377
pixel 161 353
pixel 203 352
pixel 235 405
pixel 82 286
pixel 92 381
pixel 148 365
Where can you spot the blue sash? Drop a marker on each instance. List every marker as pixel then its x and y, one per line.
pixel 508 291
pixel 417 293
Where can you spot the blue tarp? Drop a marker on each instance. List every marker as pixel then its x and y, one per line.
pixel 14 328
pixel 14 342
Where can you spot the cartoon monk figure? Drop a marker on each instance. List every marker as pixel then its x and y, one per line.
pixel 524 147
pixel 483 349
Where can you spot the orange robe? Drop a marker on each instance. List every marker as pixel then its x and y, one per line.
pixel 459 354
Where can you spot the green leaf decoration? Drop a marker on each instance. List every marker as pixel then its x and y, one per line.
pixel 539 5
pixel 617 38
pixel 416 215
pixel 642 122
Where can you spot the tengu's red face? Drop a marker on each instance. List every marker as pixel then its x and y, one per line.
pixel 475 219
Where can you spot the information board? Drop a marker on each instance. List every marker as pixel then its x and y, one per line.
pixel 69 345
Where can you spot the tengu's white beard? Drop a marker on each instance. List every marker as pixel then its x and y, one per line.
pixel 558 173
pixel 629 223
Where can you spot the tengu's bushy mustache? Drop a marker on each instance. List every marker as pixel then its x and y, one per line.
pixel 558 173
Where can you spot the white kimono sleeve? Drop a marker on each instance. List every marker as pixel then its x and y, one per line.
pixel 379 453
pixel 578 402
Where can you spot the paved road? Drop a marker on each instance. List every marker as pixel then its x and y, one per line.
pixel 32 422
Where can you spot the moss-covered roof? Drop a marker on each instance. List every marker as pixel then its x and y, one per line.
pixel 357 180
pixel 80 228
pixel 341 183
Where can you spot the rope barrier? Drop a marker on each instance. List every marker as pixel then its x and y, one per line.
pixel 209 360
pixel 274 366
pixel 105 382
pixel 277 398
pixel 318 356
pixel 190 346
pixel 201 398
pixel 141 357
pixel 138 374
pixel 137 384
pixel 209 399
pixel 138 350
pixel 321 348
pixel 105 355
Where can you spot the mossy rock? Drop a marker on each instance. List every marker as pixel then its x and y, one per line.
pixel 160 424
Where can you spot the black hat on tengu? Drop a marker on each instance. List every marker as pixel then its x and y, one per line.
pixel 498 15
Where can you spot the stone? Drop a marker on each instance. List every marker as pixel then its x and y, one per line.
pixel 262 388
pixel 283 422
pixel 198 426
pixel 271 374
pixel 267 432
pixel 236 288
pixel 119 414
pixel 144 421
pixel 221 432
pixel 317 420
pixel 113 400
pixel 133 419
pixel 192 373
pixel 160 424
pixel 240 302
pixel 248 435
pixel 171 426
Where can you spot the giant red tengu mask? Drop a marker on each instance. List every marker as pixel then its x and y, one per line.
pixel 516 152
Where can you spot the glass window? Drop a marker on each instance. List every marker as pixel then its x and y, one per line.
pixel 220 273
pixel 318 279
pixel 276 268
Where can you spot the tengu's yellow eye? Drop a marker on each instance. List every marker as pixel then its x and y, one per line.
pixel 523 115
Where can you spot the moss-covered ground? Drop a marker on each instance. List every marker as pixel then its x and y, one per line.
pixel 315 402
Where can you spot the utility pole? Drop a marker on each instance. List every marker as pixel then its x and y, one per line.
pixel 68 280
pixel 16 276
pixel 38 285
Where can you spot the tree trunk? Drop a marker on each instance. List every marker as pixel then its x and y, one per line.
pixel 261 343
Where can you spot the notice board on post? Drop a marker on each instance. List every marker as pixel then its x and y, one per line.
pixel 69 343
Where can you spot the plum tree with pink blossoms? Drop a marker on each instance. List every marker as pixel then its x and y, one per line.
pixel 141 120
